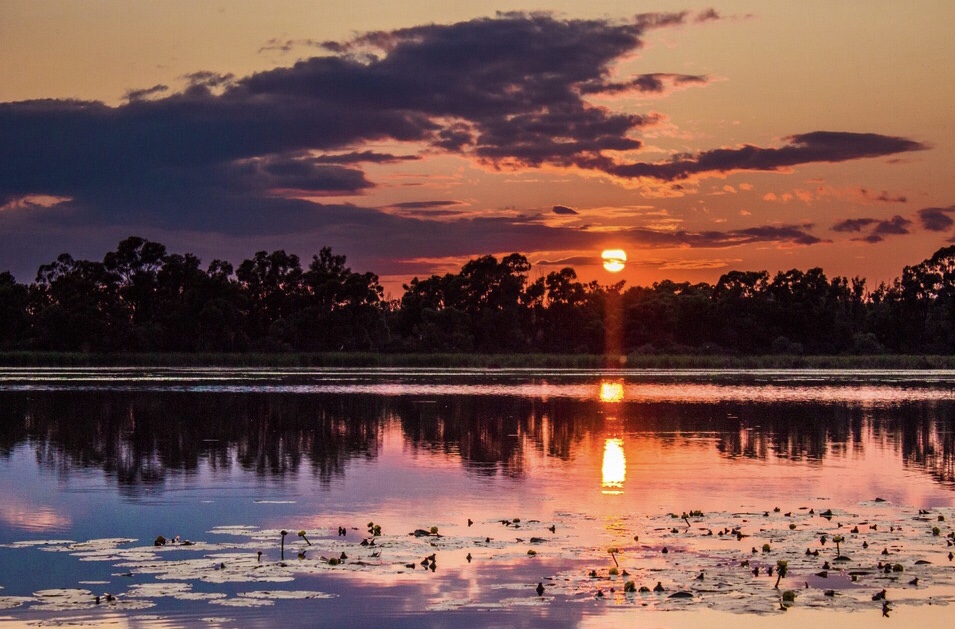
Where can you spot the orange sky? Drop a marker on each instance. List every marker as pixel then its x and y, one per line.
pixel 780 135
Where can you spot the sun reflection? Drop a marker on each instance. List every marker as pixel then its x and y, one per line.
pixel 614 468
pixel 611 392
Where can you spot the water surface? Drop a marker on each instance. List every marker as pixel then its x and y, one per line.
pixel 126 455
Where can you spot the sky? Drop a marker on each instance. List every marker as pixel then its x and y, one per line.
pixel 413 136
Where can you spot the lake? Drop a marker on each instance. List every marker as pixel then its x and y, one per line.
pixel 416 497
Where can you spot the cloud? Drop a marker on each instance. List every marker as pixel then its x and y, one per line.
pixel 884 197
pixel 817 146
pixel 572 261
pixel 291 174
pixel 707 15
pixel 363 157
pixel 654 83
pixel 563 209
pixel 780 234
pixel 420 205
pixel 30 201
pixel 937 219
pixel 135 95
pixel 245 157
pixel 895 226
pixel 854 224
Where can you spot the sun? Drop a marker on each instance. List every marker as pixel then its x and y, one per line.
pixel 614 259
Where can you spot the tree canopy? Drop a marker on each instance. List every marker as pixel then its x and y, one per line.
pixel 141 298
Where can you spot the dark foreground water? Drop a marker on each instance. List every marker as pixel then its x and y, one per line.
pixel 558 478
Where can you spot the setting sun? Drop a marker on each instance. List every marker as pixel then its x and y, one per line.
pixel 614 259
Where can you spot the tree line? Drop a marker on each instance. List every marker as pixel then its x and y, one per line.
pixel 141 298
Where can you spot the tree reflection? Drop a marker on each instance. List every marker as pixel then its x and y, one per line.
pixel 140 438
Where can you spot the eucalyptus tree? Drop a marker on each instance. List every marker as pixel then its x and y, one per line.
pixel 75 307
pixel 271 285
pixel 14 314
pixel 340 309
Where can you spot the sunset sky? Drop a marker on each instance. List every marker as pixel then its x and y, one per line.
pixel 413 136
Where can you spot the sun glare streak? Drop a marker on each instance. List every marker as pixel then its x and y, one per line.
pixel 614 470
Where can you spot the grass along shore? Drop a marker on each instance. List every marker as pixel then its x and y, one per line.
pixel 461 360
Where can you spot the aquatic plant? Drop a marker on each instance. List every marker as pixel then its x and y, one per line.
pixel 302 535
pixel 613 550
pixel 782 567
pixel 837 540
pixel 237 561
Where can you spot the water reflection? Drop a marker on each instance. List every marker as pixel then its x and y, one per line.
pixel 614 469
pixel 611 392
pixel 138 438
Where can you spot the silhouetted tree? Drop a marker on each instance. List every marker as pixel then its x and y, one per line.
pixel 14 316
pixel 272 287
pixel 141 298
pixel 75 306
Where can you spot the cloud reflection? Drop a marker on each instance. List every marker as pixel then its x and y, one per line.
pixel 29 517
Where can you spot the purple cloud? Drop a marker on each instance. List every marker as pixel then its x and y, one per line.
pixel 232 155
pixel 817 146
pixel 937 219
pixel 895 226
pixel 854 224
pixel 563 209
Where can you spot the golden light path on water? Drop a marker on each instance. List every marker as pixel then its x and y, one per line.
pixel 614 469
pixel 611 392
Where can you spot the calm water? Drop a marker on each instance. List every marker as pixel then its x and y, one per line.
pixel 95 464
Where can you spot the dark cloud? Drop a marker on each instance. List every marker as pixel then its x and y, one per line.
pixel 660 20
pixel 937 219
pixel 233 156
pixel 645 83
pixel 854 224
pixel 817 146
pixel 895 226
pixel 563 209
pixel 286 45
pixel 293 174
pixel 360 157
pixel 885 197
pixel 507 90
pixel 134 95
pixel 781 234
pixel 422 205
pixel 503 89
